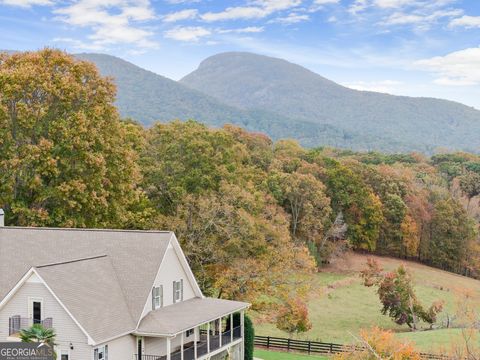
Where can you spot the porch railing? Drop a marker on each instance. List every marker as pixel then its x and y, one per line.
pixel 17 323
pixel 202 346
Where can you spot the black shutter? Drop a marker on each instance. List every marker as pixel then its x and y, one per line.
pixel 153 299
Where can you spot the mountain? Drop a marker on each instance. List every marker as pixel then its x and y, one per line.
pixel 147 97
pixel 397 123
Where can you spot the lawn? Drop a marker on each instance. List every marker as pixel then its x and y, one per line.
pixel 340 305
pixel 276 355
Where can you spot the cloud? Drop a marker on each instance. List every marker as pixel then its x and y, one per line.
pixel 112 21
pixel 187 33
pixel 26 3
pixel 458 68
pixel 292 18
pixel 246 30
pixel 178 2
pixel 400 18
pixel 78 44
pixel 325 2
pixel 383 86
pixel 256 10
pixel 466 21
pixel 394 3
pixel 181 15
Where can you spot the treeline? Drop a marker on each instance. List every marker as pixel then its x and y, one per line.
pixel 252 215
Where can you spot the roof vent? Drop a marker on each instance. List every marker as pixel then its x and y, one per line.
pixel 2 218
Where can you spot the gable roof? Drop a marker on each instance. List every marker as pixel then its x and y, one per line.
pixel 90 284
pixel 83 266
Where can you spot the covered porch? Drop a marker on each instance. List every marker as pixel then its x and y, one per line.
pixel 197 329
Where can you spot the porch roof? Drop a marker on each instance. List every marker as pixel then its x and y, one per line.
pixel 173 319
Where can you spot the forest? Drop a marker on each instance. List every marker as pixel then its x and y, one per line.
pixel 252 215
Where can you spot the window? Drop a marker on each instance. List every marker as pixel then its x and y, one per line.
pixel 177 291
pixel 157 297
pixel 64 355
pixel 101 353
pixel 189 332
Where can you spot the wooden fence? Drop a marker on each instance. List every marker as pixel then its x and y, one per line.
pixel 315 347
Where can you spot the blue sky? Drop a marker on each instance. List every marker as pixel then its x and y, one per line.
pixel 404 47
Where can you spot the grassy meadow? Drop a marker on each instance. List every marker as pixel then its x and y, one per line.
pixel 339 305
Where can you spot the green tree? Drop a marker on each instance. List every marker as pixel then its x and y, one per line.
pixel 361 208
pixel 65 157
pixel 396 293
pixel 249 338
pixel 452 231
pixel 303 197
pixel 470 185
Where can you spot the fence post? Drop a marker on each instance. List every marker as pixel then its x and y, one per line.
pixel 309 346
pixel 288 345
pixel 331 348
pixel 268 342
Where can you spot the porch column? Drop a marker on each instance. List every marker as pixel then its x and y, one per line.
pixel 220 332
pixel 242 329
pixel 181 346
pixel 231 327
pixel 208 337
pixel 169 349
pixel 195 339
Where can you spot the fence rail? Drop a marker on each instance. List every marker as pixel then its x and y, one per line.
pixel 316 347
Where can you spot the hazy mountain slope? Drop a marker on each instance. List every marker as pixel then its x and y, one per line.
pixel 148 97
pixel 258 82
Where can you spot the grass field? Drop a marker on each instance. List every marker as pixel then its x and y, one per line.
pixel 340 305
pixel 277 355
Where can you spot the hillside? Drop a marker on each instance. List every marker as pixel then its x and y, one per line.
pixel 340 305
pixel 148 97
pixel 253 81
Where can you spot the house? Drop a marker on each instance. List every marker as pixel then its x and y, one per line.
pixel 112 295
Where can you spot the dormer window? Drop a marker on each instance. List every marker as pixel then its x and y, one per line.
pixel 177 291
pixel 157 297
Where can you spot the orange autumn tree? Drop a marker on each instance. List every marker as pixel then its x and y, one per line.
pixel 293 317
pixel 377 344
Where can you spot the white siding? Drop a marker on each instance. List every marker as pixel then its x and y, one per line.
pixel 170 270
pixel 67 331
pixel 155 346
pixel 122 348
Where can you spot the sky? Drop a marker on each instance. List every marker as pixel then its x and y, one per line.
pixel 403 47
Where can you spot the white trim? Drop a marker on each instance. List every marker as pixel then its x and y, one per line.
pixel 149 300
pixel 30 301
pixel 22 281
pixel 142 333
pixel 113 338
pixel 89 338
pixel 17 286
pixel 184 263
pixel 186 267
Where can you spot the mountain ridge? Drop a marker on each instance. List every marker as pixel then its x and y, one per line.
pixel 285 100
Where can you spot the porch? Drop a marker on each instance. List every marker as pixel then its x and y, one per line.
pixel 206 344
pixel 17 323
pixel 193 335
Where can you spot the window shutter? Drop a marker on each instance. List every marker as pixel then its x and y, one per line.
pixel 161 295
pixel 153 299
pixel 174 287
pixel 95 354
pixel 181 289
pixel 106 352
